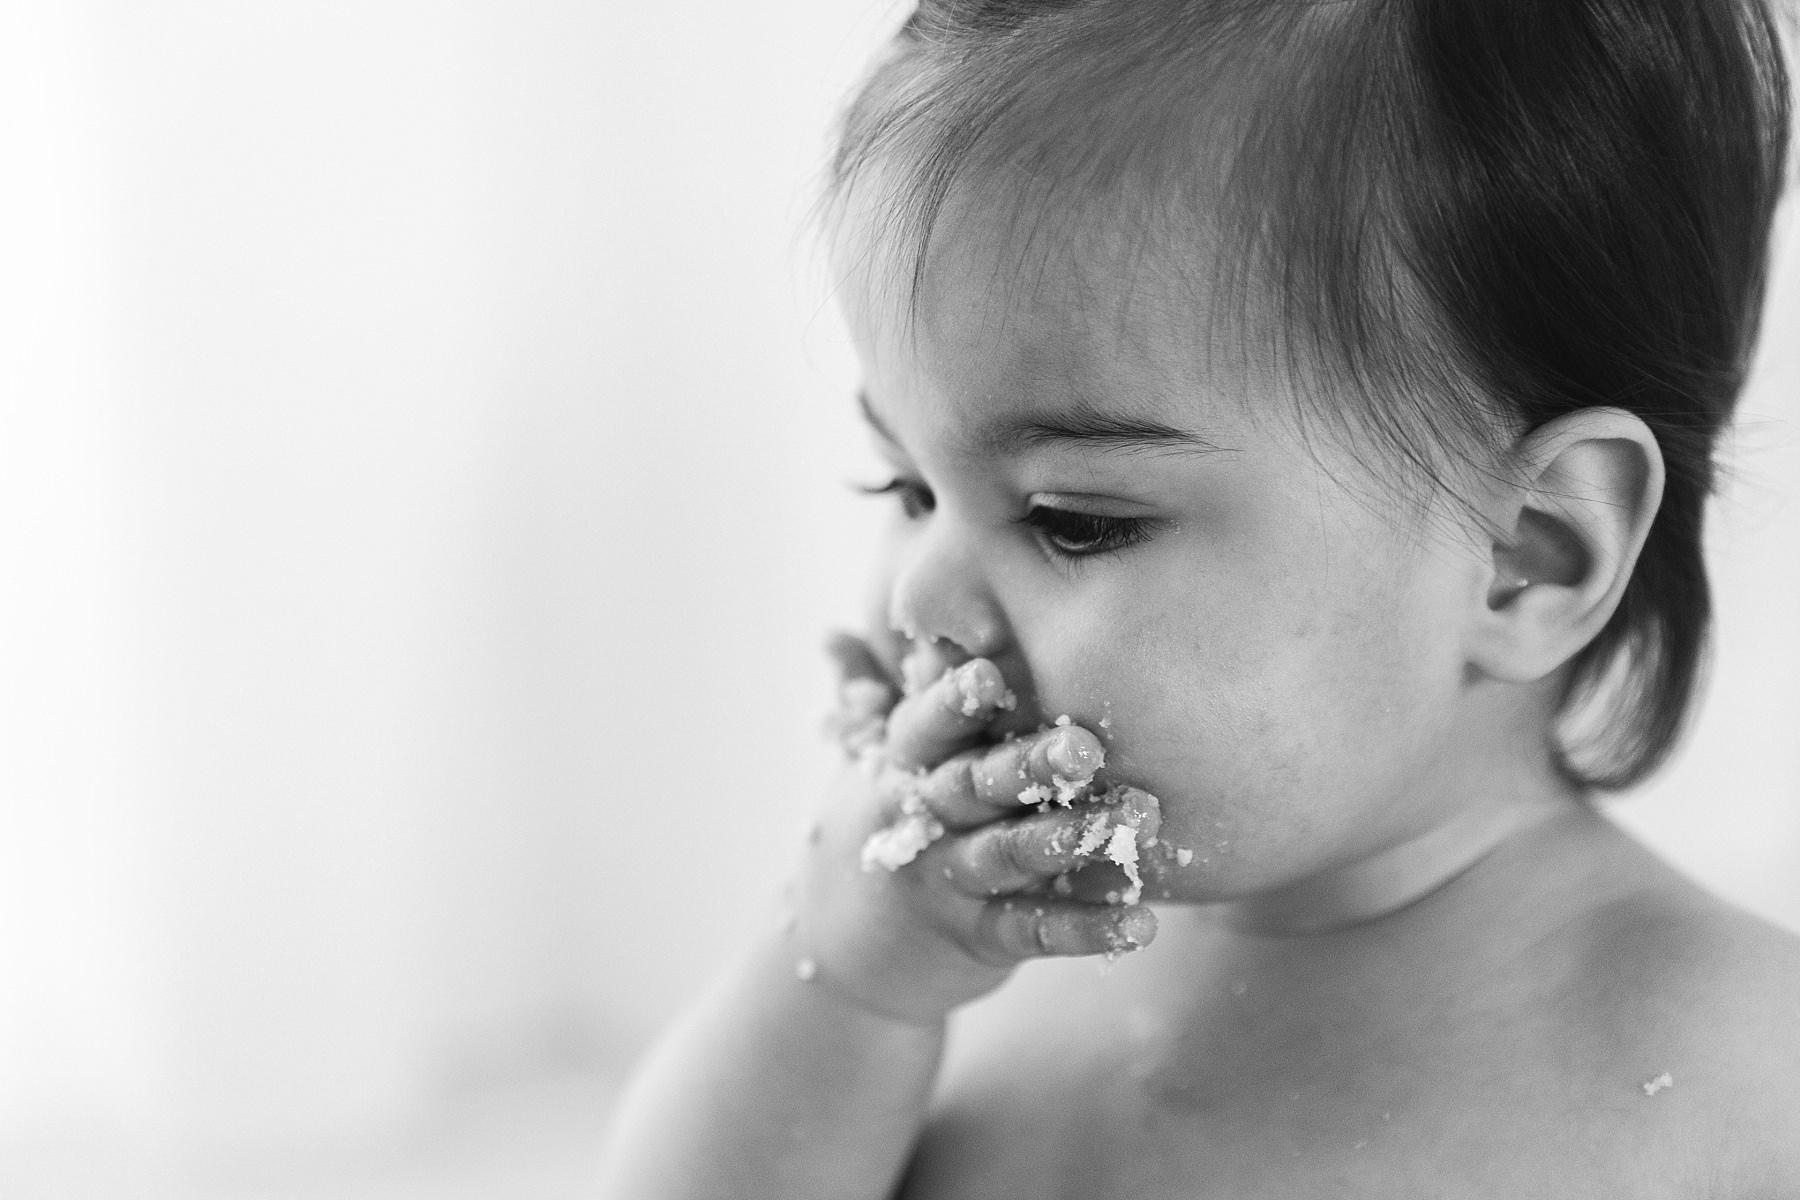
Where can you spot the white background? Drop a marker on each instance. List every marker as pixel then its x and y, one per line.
pixel 422 448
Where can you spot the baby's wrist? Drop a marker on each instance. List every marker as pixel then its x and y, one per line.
pixel 812 979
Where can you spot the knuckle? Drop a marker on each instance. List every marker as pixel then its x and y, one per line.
pixel 1016 852
pixel 1029 930
pixel 1035 930
pixel 952 787
pixel 994 940
pixel 996 861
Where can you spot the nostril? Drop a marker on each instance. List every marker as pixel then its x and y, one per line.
pixel 938 604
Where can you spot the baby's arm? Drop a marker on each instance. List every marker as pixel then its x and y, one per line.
pixel 805 1070
pixel 771 1087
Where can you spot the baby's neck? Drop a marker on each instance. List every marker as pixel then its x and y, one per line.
pixel 1375 886
pixel 1493 780
pixel 1522 880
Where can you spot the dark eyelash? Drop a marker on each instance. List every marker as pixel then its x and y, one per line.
pixel 915 498
pixel 1081 535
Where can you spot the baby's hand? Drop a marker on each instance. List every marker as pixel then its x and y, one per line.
pixel 932 873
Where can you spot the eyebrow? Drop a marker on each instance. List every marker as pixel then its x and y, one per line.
pixel 1082 426
pixel 1086 426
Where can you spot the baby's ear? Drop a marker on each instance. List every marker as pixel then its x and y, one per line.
pixel 1585 490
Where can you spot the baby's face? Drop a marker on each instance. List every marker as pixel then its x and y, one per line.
pixel 1143 543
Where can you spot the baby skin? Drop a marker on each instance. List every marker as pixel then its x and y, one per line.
pixel 976 851
pixel 1396 951
pixel 807 1071
pixel 1564 1017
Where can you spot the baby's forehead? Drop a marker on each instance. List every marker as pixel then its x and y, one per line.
pixel 1081 308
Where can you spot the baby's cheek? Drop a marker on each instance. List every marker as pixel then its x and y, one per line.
pixel 1245 746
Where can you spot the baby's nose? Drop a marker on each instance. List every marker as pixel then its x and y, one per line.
pixel 969 630
pixel 940 600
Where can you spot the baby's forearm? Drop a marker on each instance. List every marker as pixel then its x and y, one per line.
pixel 774 1087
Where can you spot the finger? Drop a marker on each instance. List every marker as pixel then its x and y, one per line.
pixel 1097 882
pixel 1012 930
pixel 1005 857
pixel 927 659
pixel 978 786
pixel 865 694
pixel 1119 840
pixel 1054 765
pixel 856 659
pixel 947 715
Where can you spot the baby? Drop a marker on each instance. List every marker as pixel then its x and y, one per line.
pixel 1300 418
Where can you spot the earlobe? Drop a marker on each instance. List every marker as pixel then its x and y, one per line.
pixel 1586 488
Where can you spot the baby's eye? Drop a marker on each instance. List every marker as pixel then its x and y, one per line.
pixel 1079 534
pixel 915 498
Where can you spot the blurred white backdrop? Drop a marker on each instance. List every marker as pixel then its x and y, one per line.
pixel 422 448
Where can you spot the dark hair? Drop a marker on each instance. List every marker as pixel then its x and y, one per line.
pixel 1479 214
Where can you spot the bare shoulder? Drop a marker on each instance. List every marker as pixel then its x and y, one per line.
pixel 1603 1025
pixel 1705 998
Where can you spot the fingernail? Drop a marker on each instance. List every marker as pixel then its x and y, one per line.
pixel 979 686
pixel 1134 929
pixel 1074 753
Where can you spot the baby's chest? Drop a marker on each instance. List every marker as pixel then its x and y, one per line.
pixel 1138 1151
pixel 1049 1117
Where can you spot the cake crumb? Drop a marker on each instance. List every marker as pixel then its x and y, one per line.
pixel 1093 833
pixel 898 844
pixel 806 970
pixel 1653 1086
pixel 968 686
pixel 1184 856
pixel 1036 794
pixel 1063 720
pixel 1122 849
